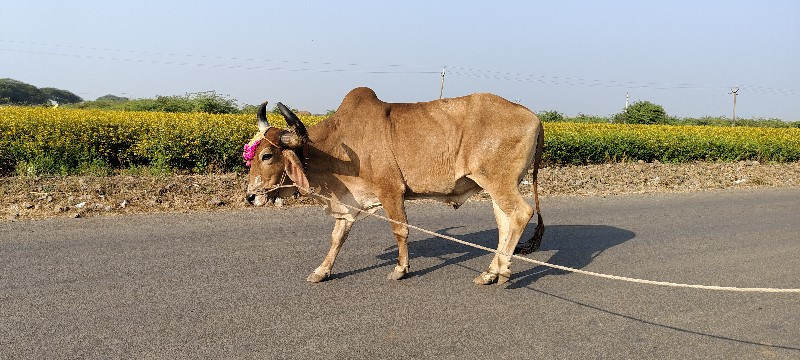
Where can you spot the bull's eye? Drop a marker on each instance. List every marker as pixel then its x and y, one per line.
pixel 266 157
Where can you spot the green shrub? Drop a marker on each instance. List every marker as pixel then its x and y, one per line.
pixel 550 116
pixel 643 112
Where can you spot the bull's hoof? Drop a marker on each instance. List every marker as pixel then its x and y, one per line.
pixel 394 275
pixel 315 278
pixel 485 278
pixel 503 277
pixel 398 273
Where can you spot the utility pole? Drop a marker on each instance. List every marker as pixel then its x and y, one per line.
pixel 734 91
pixel 626 100
pixel 441 88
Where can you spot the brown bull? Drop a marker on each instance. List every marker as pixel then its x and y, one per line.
pixel 371 154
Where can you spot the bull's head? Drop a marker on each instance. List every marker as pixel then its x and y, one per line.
pixel 272 155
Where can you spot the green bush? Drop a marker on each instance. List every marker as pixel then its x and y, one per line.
pixel 643 112
pixel 550 116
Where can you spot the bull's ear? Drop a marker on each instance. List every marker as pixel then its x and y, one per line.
pixel 294 169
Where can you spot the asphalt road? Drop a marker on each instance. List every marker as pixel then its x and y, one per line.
pixel 232 284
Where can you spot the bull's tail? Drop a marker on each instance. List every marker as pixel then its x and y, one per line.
pixel 536 240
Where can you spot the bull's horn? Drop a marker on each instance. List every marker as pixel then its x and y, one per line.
pixel 263 123
pixel 295 125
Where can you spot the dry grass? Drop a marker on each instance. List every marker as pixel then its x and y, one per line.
pixel 82 196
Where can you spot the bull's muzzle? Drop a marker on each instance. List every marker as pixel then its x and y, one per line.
pixel 259 199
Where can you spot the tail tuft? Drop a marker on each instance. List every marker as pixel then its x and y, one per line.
pixel 535 241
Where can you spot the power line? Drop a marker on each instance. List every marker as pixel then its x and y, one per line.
pixel 572 81
pixel 221 66
pixel 212 57
pixel 324 67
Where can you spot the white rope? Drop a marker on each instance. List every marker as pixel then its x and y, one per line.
pixel 560 267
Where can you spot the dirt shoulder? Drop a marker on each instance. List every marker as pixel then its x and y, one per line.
pixel 81 196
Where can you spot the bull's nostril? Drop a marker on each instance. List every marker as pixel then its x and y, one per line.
pixel 250 198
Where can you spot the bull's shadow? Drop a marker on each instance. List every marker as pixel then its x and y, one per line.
pixel 575 246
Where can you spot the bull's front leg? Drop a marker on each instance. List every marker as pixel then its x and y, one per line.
pixel 338 236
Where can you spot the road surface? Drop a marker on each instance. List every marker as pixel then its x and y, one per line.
pixel 232 284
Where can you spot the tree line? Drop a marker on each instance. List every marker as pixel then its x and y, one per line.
pixel 14 92
pixel 645 112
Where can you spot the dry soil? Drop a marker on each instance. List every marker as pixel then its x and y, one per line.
pixel 82 196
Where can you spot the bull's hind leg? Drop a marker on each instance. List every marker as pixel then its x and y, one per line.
pixel 516 213
pixel 519 213
pixel 489 276
pixel 338 236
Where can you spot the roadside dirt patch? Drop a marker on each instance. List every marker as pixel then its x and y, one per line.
pixel 621 178
pixel 83 196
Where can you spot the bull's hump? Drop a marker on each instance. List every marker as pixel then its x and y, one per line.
pixel 358 96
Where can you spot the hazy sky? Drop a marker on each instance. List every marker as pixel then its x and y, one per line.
pixel 570 56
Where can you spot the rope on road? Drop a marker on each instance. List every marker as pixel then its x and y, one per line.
pixel 560 267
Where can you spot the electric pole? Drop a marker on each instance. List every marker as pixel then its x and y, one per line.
pixel 626 100
pixel 441 88
pixel 734 91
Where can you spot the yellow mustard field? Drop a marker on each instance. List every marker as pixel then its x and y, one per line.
pixel 583 143
pixel 64 141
